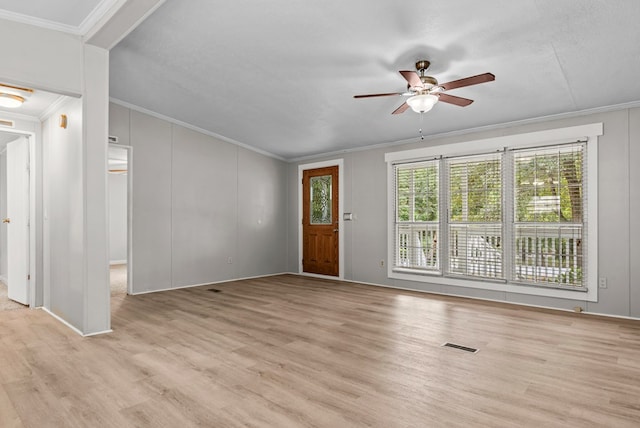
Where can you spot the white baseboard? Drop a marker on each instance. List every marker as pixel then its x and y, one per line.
pixel 470 297
pixel 97 333
pixel 62 321
pixel 209 283
pixel 66 323
pixel 319 276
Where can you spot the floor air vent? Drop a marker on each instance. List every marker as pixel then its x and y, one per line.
pixel 462 348
pixel 214 290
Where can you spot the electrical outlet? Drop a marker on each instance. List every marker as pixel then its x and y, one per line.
pixel 602 282
pixel 381 263
pixel 229 260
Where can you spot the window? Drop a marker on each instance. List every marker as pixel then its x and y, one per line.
pixel 475 216
pixel 416 216
pixel 513 214
pixel 548 219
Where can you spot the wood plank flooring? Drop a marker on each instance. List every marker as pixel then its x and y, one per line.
pixel 290 351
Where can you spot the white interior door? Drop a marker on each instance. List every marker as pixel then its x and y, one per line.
pixel 18 220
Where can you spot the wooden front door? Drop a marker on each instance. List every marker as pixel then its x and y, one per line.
pixel 320 236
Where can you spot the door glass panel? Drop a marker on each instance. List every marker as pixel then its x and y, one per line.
pixel 320 189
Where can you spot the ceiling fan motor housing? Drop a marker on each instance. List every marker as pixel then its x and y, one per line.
pixel 422 65
pixel 428 82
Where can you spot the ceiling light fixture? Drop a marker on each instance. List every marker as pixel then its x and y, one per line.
pixel 10 100
pixel 422 103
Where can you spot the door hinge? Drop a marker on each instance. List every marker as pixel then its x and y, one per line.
pixel 28 277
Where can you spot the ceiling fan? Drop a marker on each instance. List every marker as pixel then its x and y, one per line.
pixel 425 91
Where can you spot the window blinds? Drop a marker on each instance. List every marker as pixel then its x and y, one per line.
pixel 548 239
pixel 475 216
pixel 416 215
pixel 517 215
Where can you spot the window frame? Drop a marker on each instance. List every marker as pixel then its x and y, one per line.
pixel 588 133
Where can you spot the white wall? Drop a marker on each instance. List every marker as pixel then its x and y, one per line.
pixel 618 212
pixel 41 58
pixel 117 218
pixel 198 201
pixel 75 240
pixel 77 289
pixel 95 114
pixel 632 161
pixel 64 215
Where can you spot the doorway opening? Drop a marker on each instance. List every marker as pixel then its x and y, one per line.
pixel 321 235
pixel 119 184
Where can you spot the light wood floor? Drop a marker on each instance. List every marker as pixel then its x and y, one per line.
pixel 288 351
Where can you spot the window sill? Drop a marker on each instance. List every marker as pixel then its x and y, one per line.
pixel 586 294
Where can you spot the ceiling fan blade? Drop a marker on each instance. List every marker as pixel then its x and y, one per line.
pixel 412 77
pixel 377 95
pixel 452 99
pixel 468 81
pixel 401 109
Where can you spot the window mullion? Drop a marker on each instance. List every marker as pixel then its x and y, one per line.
pixel 508 214
pixel 443 214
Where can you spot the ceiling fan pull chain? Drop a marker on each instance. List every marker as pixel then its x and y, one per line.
pixel 421 120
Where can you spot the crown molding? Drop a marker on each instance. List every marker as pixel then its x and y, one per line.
pixel 101 10
pixel 18 116
pixel 541 119
pixel 90 20
pixel 193 128
pixel 49 111
pixel 39 22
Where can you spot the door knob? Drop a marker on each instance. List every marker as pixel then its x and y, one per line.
pixel 6 220
pixel 335 230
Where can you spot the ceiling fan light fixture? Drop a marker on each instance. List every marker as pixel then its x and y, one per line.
pixel 10 100
pixel 422 103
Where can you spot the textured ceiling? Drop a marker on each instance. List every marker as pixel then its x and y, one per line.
pixel 280 75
